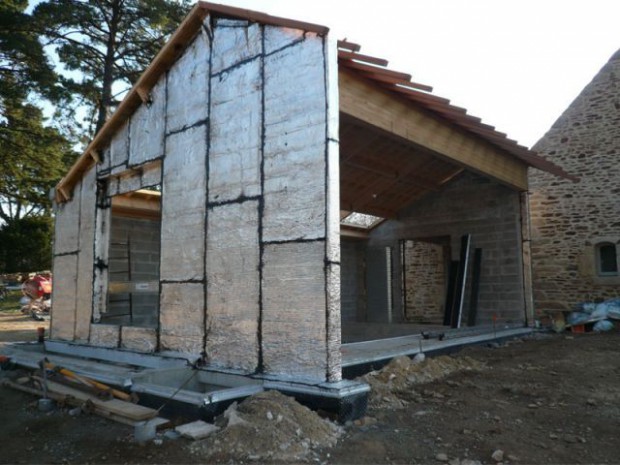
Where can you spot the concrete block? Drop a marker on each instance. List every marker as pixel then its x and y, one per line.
pixel 294 304
pixel 233 286
pixel 183 206
pixel 234 43
pixel 139 339
pixel 119 147
pixel 182 317
pixel 84 296
pixel 67 224
pixel 147 127
pixel 63 298
pixel 188 86
pixel 236 117
pixel 295 143
pixel 102 335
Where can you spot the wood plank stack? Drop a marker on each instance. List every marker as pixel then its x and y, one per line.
pixel 115 409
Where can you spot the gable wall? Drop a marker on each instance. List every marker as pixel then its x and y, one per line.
pixel 567 218
pixel 244 132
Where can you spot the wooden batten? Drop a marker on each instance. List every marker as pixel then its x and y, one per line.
pixel 138 204
pixel 144 94
pixel 385 110
pixel 64 195
pixel 95 156
pixel 354 233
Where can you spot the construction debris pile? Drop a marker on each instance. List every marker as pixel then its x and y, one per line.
pixel 268 426
pixel 599 315
pixel 392 387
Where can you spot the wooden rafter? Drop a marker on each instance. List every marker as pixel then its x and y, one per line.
pixel 386 111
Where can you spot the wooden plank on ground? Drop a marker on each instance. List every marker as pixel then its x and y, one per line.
pixel 114 406
pixel 70 400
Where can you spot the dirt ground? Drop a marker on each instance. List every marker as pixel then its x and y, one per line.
pixel 547 399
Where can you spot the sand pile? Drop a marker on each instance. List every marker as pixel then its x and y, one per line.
pixel 268 427
pixel 393 385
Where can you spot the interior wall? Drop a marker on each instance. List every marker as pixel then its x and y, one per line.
pixel 245 129
pixel 353 279
pixel 134 256
pixel 487 210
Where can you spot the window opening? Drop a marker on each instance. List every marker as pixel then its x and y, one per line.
pixel 607 259
pixel 133 259
pixel 361 220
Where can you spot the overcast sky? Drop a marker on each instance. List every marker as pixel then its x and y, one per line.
pixel 515 64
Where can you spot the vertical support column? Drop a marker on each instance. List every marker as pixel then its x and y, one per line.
pixel 528 290
pixel 103 218
pixel 66 248
pixel 332 217
pixel 85 261
pixel 300 236
pixel 182 269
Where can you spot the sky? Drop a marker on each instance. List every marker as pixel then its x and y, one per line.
pixel 516 64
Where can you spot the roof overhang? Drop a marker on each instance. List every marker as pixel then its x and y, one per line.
pixel 404 114
pixel 166 57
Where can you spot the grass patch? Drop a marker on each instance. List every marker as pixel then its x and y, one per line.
pixel 10 304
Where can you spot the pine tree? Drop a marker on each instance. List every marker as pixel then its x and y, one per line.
pixel 33 156
pixel 24 67
pixel 108 43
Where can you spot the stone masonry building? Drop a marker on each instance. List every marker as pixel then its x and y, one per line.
pixel 576 226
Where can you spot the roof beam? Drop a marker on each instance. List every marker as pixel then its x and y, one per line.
pixel 385 110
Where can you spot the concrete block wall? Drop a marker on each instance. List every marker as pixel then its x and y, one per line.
pixel 487 210
pixel 245 129
pixel 353 289
pixel 568 219
pixel 135 243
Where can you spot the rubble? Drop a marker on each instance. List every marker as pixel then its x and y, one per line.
pixel 268 426
pixel 393 385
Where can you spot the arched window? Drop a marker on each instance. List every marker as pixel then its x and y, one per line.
pixel 606 259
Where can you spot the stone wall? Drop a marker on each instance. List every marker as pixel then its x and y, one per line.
pixel 242 135
pixel 425 274
pixel 568 219
pixel 487 210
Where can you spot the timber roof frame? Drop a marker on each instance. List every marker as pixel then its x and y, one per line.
pixel 372 69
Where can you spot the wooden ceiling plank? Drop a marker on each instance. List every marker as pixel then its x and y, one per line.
pixel 385 110
pixel 402 178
